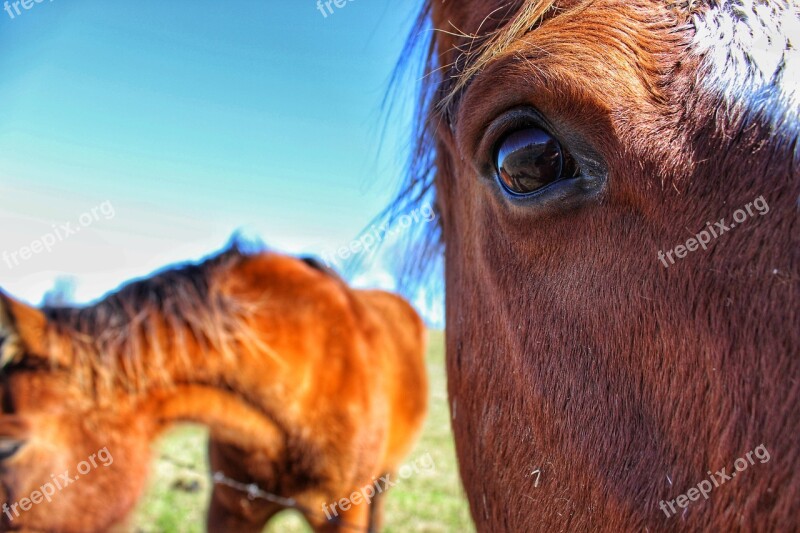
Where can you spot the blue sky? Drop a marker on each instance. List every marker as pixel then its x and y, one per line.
pixel 188 121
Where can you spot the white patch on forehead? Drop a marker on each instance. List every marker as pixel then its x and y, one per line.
pixel 751 49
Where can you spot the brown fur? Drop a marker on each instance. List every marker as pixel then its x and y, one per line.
pixel 310 389
pixel 571 351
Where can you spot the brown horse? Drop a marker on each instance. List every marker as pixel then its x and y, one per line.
pixel 618 187
pixel 311 391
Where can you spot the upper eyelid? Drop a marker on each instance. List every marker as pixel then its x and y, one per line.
pixel 482 102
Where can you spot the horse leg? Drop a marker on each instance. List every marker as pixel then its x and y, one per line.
pixel 376 513
pixel 230 508
pixel 248 517
pixel 355 519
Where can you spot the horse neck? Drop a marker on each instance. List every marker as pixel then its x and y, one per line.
pixel 154 348
pixel 226 413
pixel 173 374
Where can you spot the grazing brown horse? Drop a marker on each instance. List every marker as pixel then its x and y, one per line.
pixel 311 391
pixel 618 187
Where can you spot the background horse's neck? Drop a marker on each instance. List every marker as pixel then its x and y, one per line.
pixel 227 415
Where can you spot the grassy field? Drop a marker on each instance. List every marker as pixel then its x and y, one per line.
pixel 430 501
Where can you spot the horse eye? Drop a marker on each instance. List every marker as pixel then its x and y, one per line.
pixel 9 447
pixel 528 160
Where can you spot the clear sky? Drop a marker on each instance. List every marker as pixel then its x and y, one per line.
pixel 180 122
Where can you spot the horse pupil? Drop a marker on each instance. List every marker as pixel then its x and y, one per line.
pixel 528 160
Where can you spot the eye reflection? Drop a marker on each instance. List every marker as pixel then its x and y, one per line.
pixel 528 160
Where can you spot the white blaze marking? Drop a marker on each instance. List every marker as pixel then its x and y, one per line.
pixel 749 46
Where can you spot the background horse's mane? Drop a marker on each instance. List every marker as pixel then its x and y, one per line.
pixel 127 338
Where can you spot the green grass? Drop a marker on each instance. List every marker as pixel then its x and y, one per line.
pixel 430 501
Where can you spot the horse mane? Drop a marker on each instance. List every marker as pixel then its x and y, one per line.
pixel 418 64
pixel 437 88
pixel 128 338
